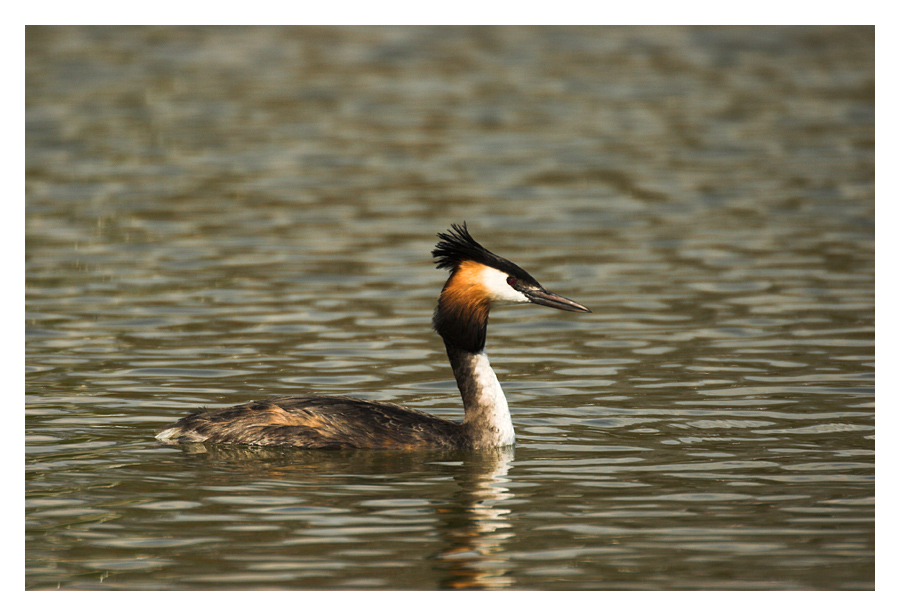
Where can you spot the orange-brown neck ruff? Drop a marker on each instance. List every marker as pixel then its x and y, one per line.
pixel 461 316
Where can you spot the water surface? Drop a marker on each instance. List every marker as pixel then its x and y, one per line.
pixel 217 215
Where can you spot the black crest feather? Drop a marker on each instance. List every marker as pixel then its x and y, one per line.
pixel 457 245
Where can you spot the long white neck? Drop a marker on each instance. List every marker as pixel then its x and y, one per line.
pixel 487 413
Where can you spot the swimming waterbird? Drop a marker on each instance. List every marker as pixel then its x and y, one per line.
pixel 479 280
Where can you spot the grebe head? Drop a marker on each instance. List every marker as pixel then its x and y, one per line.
pixel 478 280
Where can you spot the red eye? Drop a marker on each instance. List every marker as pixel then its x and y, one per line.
pixel 511 281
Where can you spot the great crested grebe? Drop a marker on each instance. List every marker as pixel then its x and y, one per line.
pixel 478 280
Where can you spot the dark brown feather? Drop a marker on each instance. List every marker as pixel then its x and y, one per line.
pixel 320 422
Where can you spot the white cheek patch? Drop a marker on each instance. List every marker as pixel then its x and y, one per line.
pixel 494 281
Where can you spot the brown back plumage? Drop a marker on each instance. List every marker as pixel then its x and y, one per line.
pixel 319 422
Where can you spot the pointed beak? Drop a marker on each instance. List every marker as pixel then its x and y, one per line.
pixel 546 298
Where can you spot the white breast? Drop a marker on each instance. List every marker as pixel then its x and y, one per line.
pixel 491 413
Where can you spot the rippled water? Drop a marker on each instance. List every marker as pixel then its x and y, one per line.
pixel 217 215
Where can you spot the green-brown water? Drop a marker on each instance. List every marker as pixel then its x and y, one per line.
pixel 217 215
